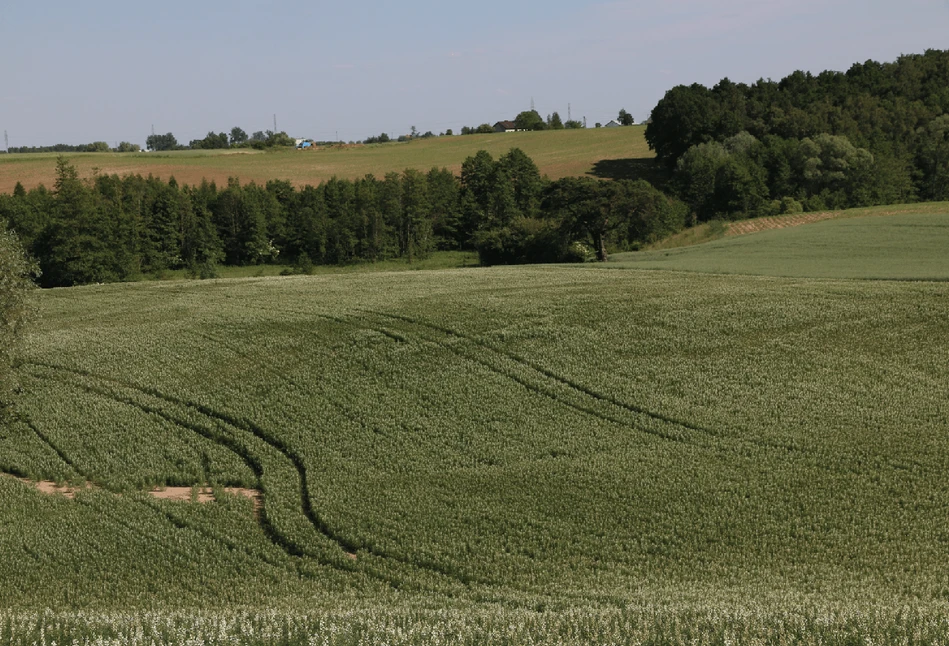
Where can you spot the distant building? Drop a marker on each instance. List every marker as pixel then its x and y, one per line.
pixel 505 126
pixel 613 123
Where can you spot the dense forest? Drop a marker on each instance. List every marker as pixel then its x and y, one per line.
pixel 876 134
pixel 110 228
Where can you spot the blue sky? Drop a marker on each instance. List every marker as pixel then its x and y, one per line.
pixel 75 72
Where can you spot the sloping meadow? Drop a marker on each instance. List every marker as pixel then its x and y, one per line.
pixel 652 453
pixel 907 242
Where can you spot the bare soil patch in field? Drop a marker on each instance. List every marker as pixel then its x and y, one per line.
pixel 51 488
pixel 183 494
pixel 203 494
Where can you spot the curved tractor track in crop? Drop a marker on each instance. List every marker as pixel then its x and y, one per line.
pixel 224 430
pixel 233 433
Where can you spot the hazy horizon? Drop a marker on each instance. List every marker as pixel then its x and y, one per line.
pixel 108 71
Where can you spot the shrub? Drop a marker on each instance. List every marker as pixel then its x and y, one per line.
pixel 789 206
pixel 16 273
pixel 524 241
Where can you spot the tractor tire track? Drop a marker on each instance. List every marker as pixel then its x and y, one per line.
pixel 429 565
pixel 682 438
pixel 580 388
pixel 587 391
pixel 426 565
pixel 346 412
pixel 181 524
pixel 348 547
pixel 815 458
pixel 253 462
pixel 364 324
pixel 720 441
pixel 45 440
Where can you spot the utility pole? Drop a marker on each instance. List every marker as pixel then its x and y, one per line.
pixel 6 141
pixel 275 123
pixel 584 122
pixel 569 118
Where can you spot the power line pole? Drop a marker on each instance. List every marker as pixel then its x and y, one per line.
pixel 6 141
pixel 584 122
pixel 532 104
pixel 569 118
pixel 275 123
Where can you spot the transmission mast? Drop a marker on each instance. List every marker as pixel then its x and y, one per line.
pixel 6 141
pixel 569 118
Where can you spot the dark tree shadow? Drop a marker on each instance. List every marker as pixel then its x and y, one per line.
pixel 644 168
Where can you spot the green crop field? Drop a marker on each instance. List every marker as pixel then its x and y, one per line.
pixel 548 454
pixel 604 152
pixel 905 246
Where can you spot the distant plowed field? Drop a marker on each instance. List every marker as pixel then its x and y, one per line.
pixel 607 152
pixel 779 222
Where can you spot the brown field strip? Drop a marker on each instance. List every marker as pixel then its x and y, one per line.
pixel 560 153
pixel 778 222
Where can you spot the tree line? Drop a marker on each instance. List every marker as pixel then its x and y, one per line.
pixel 876 134
pixel 237 138
pixel 110 228
pixel 94 147
pixel 164 142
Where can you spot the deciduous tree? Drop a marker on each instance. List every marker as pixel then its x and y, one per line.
pixel 161 142
pixel 529 120
pixel 238 136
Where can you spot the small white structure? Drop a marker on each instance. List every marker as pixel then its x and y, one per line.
pixel 613 123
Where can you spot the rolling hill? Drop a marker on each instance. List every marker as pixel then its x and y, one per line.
pixel 742 441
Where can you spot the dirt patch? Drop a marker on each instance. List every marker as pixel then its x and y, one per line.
pixel 204 494
pixel 51 488
pixel 183 494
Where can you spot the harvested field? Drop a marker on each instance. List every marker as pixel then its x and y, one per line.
pixel 778 222
pixel 557 153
